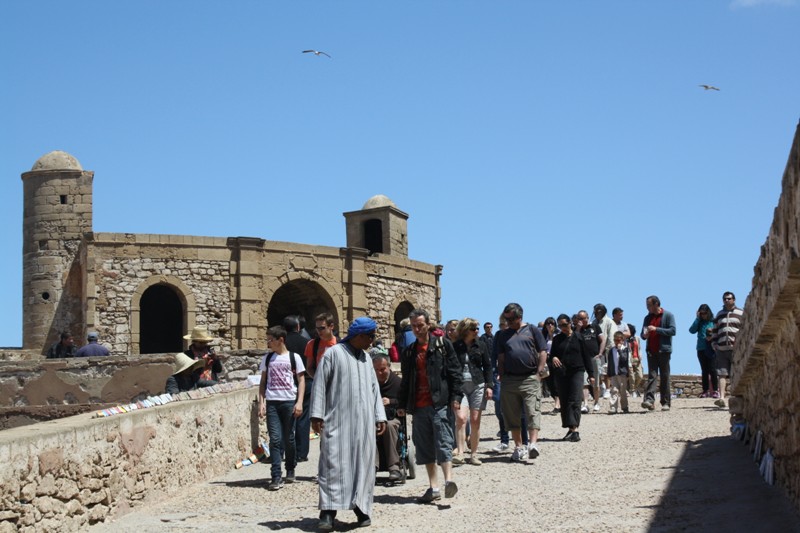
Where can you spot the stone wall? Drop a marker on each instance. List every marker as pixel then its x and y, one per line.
pixel 118 280
pixel 18 354
pixel 83 380
pixel 766 366
pixel 66 474
pixel 237 291
pixel 37 390
pixel 386 291
pixel 122 266
pixel 684 385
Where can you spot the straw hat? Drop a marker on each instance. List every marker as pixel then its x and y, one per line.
pixel 183 362
pixel 199 333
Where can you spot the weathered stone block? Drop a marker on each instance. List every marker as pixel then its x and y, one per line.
pixel 47 485
pixel 98 513
pixel 66 489
pixel 88 497
pixel 48 505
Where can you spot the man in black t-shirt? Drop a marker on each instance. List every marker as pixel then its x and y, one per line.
pixel 296 343
pixel 593 337
pixel 487 336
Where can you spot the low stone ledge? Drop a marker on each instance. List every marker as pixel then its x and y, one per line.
pixel 66 474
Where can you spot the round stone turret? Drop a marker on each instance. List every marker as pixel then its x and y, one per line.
pixel 57 212
pixel 57 160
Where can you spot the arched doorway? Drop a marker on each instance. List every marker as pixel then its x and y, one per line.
pixel 403 310
pixel 300 297
pixel 160 320
pixel 373 236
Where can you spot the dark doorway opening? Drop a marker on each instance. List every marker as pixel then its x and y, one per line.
pixel 300 297
pixel 373 236
pixel 160 321
pixel 402 312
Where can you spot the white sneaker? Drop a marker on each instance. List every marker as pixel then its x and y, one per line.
pixel 596 407
pixel 607 394
pixel 518 455
pixel 500 448
pixel 533 451
pixel 584 409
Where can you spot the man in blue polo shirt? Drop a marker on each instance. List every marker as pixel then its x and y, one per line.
pixel 521 362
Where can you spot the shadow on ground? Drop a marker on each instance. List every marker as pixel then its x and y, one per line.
pixel 698 495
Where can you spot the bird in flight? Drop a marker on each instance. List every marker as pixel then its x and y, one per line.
pixel 320 52
pixel 709 87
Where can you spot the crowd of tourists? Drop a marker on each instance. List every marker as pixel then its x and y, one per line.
pixel 346 392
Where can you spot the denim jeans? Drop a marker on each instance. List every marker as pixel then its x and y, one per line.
pixel 280 425
pixel 302 425
pixel 498 412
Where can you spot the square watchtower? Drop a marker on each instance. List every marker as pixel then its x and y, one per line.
pixel 379 227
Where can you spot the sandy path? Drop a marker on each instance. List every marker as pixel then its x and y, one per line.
pixel 643 471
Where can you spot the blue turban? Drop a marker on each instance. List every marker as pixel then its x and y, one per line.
pixel 362 324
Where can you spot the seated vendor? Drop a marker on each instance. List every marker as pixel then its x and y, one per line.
pixel 187 375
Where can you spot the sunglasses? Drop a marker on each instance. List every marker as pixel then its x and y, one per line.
pixel 322 328
pixel 564 325
pixel 474 329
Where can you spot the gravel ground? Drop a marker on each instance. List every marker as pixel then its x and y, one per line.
pixel 644 471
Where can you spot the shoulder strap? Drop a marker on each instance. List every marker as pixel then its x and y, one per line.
pixel 291 362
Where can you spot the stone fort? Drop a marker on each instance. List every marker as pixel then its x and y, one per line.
pixel 63 475
pixel 142 293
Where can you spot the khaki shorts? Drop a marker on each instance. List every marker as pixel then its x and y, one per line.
pixel 518 392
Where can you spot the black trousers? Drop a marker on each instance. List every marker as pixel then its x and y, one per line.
pixel 658 369
pixel 570 392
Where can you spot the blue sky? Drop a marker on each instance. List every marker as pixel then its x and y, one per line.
pixel 557 154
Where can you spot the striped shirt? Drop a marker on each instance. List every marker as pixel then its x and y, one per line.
pixel 726 326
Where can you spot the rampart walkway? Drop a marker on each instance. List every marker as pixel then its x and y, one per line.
pixel 654 472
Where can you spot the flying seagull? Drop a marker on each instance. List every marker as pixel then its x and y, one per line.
pixel 709 87
pixel 318 52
